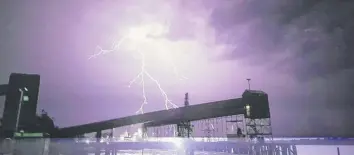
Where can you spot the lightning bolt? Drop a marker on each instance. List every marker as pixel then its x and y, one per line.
pixel 142 75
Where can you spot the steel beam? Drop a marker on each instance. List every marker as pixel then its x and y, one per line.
pixel 192 112
pixel 235 111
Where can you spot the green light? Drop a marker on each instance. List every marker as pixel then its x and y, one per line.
pixel 17 134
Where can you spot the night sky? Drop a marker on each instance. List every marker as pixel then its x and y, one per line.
pixel 300 52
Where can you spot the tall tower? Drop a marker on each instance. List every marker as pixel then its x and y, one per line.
pixel 21 102
pixel 186 99
pixel 184 128
pixel 257 114
pixel 249 83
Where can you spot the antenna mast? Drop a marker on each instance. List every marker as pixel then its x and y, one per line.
pixel 186 100
pixel 249 84
pixel 184 128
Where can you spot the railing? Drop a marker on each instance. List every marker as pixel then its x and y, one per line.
pixel 41 146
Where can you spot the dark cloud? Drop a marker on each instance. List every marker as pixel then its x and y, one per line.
pixel 311 40
pixel 309 37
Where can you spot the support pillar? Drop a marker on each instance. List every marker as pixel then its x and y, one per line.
pixel 294 149
pixel 98 139
pixel 98 136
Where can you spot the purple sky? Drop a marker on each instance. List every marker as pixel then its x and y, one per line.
pixel 299 53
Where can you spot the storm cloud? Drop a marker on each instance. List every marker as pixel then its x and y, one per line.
pixel 309 37
pixel 310 40
pixel 298 51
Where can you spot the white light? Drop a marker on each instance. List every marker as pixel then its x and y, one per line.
pixel 23 89
pixel 87 141
pixel 121 137
pixel 143 32
pixel 248 107
pixel 177 141
pixel 140 132
pixel 25 98
pixel 133 138
pixel 248 110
